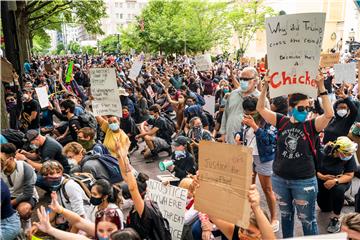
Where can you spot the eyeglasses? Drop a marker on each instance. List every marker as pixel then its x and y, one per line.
pixel 109 212
pixel 304 108
pixel 245 79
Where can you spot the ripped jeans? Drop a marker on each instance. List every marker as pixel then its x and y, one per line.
pixel 300 194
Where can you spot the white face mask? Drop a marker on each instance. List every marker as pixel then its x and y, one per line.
pixel 341 112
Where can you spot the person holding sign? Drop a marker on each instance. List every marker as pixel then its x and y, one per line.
pixel 294 179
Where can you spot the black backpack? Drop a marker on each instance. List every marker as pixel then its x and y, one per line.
pixel 160 229
pixel 87 119
pixel 170 126
pixel 15 137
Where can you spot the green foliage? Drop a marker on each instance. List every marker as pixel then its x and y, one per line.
pixel 59 48
pixel 110 44
pixel 246 19
pixel 89 50
pixel 173 26
pixel 74 47
pixel 41 45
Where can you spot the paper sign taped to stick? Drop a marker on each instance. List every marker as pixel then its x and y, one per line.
pixel 209 104
pixel 172 204
pixel 293 50
pixel 105 92
pixel 135 69
pixel 225 177
pixel 329 59
pixel 345 73
pixel 42 96
pixel 203 62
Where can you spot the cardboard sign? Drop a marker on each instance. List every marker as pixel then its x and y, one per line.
pixel 225 177
pixel 345 73
pixel 329 60
pixel 203 62
pixel 135 69
pixel 293 50
pixel 105 92
pixel 209 104
pixel 172 204
pixel 43 96
pixel 6 71
pixel 252 62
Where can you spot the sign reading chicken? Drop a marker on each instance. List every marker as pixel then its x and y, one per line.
pixel 293 50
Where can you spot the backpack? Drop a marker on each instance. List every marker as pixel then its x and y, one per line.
pixel 210 120
pixel 109 163
pixel 200 99
pixel 170 126
pixel 86 119
pixel 85 181
pixel 160 228
pixel 86 79
pixel 14 136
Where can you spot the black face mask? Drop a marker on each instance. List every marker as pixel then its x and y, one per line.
pixel 95 201
pixel 63 112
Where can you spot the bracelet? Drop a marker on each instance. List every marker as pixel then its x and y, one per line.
pixel 323 93
pixel 61 211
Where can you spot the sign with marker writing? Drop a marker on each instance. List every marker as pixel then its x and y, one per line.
pixel 135 69
pixel 345 73
pixel 329 59
pixel 172 204
pixel 43 96
pixel 225 172
pixel 203 62
pixel 293 50
pixel 209 104
pixel 105 92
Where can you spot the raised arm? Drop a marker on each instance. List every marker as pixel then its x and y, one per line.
pixel 323 120
pixel 268 115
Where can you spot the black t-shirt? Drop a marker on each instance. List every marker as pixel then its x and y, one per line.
pixel 29 107
pixel 160 123
pixel 52 150
pixel 74 126
pixel 294 158
pixel 328 84
pixel 336 166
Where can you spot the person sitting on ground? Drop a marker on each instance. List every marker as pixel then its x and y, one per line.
pixel 30 114
pixel 113 133
pixel 157 138
pixel 128 125
pixel 335 172
pixel 20 177
pixel 86 137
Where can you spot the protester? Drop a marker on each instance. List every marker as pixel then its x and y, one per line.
pixel 128 125
pixel 30 114
pixel 294 178
pixel 86 137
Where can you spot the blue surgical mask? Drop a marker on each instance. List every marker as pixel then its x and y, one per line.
pixel 54 185
pixel 226 90
pixel 33 146
pixel 346 158
pixel 299 116
pixel 151 117
pixel 244 85
pixel 179 154
pixel 114 126
pixel 103 238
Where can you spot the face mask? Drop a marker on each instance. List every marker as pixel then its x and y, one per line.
pixel 86 144
pixel 346 158
pixel 226 90
pixel 125 115
pixel 63 112
pixel 25 98
pixel 256 117
pixel 244 85
pixel 54 184
pixel 114 126
pixel 299 116
pixel 103 238
pixel 341 112
pixel 95 201
pixel 151 117
pixel 197 133
pixel 179 154
pixel 33 146
pixel 10 106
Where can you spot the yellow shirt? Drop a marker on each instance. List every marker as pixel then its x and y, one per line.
pixel 110 139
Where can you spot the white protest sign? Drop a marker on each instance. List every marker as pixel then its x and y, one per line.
pixel 209 104
pixel 293 51
pixel 135 69
pixel 105 92
pixel 203 62
pixel 172 204
pixel 345 73
pixel 43 96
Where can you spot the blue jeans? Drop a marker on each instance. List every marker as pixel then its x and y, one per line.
pixel 10 227
pixel 300 194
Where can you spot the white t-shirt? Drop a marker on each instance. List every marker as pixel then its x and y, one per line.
pixel 251 140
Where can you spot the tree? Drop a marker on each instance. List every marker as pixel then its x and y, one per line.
pixel 177 26
pixel 110 44
pixel 89 50
pixel 34 16
pixel 41 45
pixel 59 48
pixel 74 47
pixel 246 18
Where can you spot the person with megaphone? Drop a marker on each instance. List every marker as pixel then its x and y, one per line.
pixel 182 162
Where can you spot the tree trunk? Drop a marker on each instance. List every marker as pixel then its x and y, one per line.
pixel 4 114
pixel 23 32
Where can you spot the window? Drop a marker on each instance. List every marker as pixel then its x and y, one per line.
pixel 117 15
pixel 129 16
pixel 121 16
pixel 120 5
pixel 116 4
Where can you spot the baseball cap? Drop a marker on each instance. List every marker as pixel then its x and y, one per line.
pixel 180 141
pixel 31 135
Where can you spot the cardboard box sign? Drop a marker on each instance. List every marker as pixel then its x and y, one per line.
pixel 225 174
pixel 6 71
pixel 329 60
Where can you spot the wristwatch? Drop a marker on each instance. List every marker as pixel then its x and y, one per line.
pixel 323 93
pixel 336 181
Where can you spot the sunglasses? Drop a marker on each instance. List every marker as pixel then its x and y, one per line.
pixel 303 108
pixel 245 79
pixel 109 212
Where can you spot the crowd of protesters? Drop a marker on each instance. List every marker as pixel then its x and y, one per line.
pixel 304 150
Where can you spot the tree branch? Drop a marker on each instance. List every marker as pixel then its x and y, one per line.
pixel 51 12
pixel 38 8
pixel 38 26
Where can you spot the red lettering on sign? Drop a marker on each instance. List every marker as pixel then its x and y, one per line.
pixel 285 79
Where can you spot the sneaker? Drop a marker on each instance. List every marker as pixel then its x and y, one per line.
pixel 334 225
